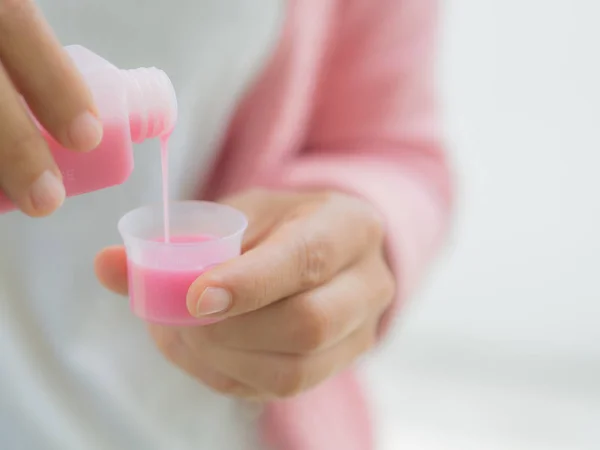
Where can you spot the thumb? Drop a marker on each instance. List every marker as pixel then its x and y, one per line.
pixel 111 269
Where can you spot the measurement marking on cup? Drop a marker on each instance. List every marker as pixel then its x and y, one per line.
pixel 68 174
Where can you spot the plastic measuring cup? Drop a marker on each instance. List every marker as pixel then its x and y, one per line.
pixel 202 235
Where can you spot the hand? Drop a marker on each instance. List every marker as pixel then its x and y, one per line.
pixel 300 304
pixel 35 68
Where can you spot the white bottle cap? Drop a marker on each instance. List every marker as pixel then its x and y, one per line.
pixel 152 103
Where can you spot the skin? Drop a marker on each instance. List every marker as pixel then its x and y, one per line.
pixel 35 68
pixel 305 297
pixel 303 301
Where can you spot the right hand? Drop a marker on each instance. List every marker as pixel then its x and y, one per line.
pixel 34 67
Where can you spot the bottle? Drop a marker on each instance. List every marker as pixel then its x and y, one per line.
pixel 133 105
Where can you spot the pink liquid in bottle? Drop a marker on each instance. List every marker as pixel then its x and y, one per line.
pixel 159 295
pixel 134 105
pixel 110 164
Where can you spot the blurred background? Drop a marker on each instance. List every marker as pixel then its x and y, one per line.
pixel 501 349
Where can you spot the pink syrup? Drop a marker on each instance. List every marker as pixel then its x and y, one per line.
pixel 159 294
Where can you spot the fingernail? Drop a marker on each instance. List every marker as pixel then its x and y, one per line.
pixel 213 301
pixel 47 193
pixel 85 132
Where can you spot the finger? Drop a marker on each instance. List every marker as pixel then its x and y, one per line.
pixel 298 256
pixel 313 321
pixel 111 269
pixel 46 76
pixel 169 342
pixel 28 174
pixel 280 375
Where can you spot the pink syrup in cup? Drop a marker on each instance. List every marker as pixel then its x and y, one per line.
pixel 159 295
pixel 202 235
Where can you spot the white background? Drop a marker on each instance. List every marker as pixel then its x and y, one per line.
pixel 502 348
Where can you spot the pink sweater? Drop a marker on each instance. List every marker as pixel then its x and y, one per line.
pixel 347 101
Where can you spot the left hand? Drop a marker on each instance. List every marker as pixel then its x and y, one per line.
pixel 301 303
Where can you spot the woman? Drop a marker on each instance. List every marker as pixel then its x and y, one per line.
pixel 328 108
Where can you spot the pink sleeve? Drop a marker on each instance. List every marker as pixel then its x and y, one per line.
pixel 375 129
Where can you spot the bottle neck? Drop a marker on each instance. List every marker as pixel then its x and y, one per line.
pixel 151 101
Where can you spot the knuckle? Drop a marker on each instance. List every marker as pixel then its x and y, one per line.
pixel 314 256
pixel 372 223
pixel 20 148
pixel 290 379
pixel 371 220
pixel 21 161
pixel 313 325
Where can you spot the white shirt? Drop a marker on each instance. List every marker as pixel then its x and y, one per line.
pixel 78 370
